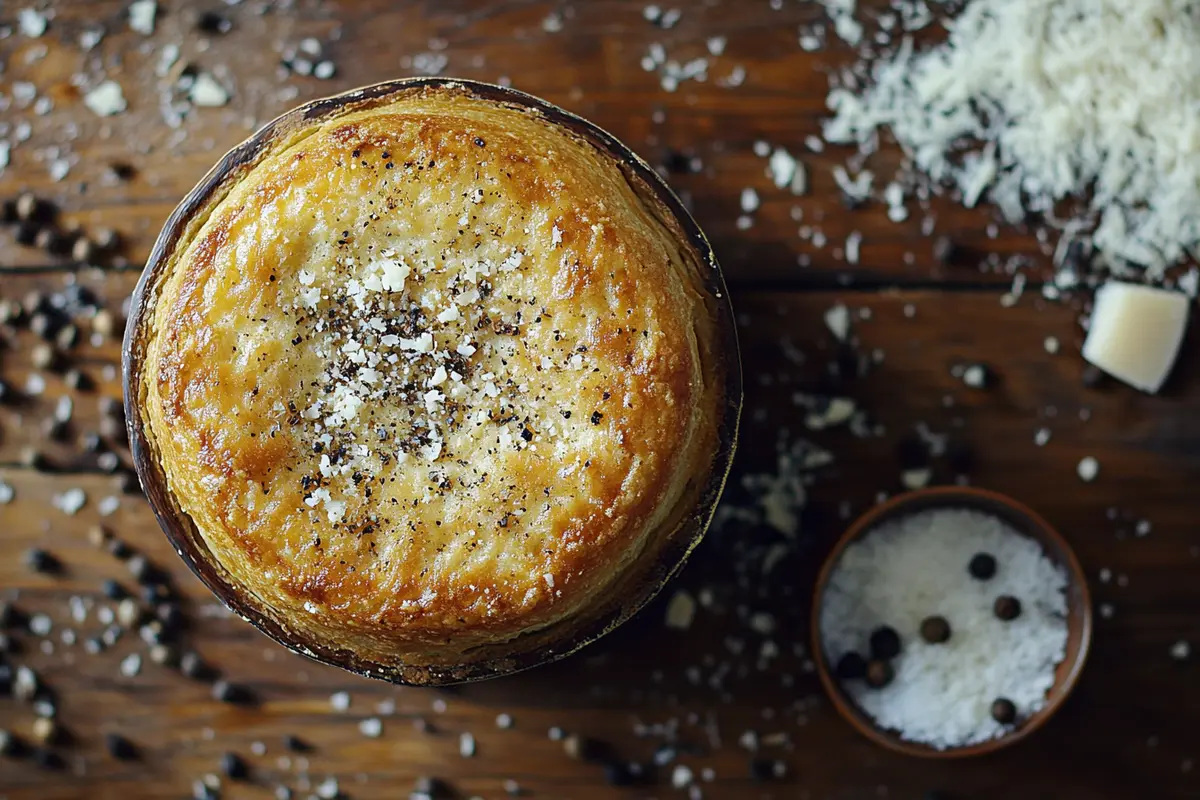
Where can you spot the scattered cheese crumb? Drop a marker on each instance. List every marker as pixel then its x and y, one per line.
pixel 207 92
pixel 680 611
pixel 106 99
pixel 141 16
pixel 1088 469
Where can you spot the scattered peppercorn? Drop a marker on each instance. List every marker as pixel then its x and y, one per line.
pixel 1004 712
pixel 41 561
pixel 944 250
pixel 75 379
pixel 618 774
pixel 885 643
pixel 212 22
pixel 33 458
pixel 1093 377
pixel 192 666
pixel 119 747
pixel 584 748
pixel 851 667
pixel 935 630
pixel 961 458
pixel 1007 608
pixel 982 567
pixel 879 674
pixel 227 692
pixel 762 769
pixel 234 767
pixel 47 758
pixel 295 744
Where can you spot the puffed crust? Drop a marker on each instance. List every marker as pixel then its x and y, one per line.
pixel 431 375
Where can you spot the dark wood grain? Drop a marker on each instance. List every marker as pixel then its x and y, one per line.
pixel 591 67
pixel 1128 732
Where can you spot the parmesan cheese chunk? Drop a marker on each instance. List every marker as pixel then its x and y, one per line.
pixel 1136 332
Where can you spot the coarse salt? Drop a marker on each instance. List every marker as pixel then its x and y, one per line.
pixel 909 569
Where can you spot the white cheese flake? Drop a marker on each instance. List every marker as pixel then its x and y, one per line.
pixel 106 99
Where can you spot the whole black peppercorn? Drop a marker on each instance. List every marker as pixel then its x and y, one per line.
pixel 935 630
pixel 119 747
pixel 34 459
pixel 118 549
pixel 56 430
pixel 29 207
pixel 169 615
pixel 762 769
pixel 110 407
pixel 27 233
pixel 234 767
pixel 1093 377
pixel 192 666
pixel 618 774
pixel 231 693
pixel 912 453
pixel 113 590
pixel 1007 608
pixel 982 566
pixel 585 748
pixel 851 667
pixel 429 786
pixel 39 560
pixel 961 458
pixel 879 674
pixel 120 171
pixel 212 22
pixel 944 250
pixel 295 744
pixel 128 483
pixel 75 379
pixel 140 568
pixel 46 758
pixel 1004 712
pixel 885 643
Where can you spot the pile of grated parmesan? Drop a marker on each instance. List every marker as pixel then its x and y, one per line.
pixel 1033 102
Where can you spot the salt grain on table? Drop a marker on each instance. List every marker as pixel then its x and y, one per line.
pixel 906 571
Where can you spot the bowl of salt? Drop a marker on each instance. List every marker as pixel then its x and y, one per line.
pixel 950 622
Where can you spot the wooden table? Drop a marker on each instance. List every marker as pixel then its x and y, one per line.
pixel 1130 730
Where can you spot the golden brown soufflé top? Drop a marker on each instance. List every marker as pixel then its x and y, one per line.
pixel 430 375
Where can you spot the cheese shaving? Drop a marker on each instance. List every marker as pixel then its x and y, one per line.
pixel 1030 103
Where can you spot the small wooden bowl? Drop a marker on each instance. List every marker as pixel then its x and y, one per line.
pixel 1020 518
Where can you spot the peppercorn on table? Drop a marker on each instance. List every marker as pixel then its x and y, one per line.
pixel 880 351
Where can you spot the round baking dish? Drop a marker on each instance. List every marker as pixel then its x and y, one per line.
pixel 632 589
